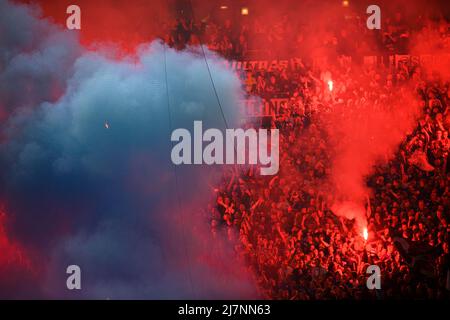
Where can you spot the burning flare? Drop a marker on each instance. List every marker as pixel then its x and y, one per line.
pixel 365 234
pixel 330 85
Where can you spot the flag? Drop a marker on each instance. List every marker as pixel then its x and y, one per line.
pixel 419 256
pixel 419 159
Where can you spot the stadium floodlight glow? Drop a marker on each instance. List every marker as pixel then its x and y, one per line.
pixel 345 3
pixel 244 11
pixel 223 7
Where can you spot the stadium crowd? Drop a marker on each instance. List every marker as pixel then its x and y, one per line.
pixel 286 231
pixel 292 36
pixel 292 239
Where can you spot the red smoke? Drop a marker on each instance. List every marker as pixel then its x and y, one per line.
pixel 119 23
pixel 430 41
pixel 361 136
pixel 16 267
pixel 358 139
pixel 11 253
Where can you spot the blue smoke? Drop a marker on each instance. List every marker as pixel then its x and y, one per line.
pixel 88 179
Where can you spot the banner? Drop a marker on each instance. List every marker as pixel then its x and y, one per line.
pixel 295 63
pixel 258 107
pixel 269 65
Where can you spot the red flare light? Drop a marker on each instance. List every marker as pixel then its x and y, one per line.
pixel 330 85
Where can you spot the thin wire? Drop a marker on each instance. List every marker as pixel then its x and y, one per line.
pixel 183 234
pixel 220 107
pixel 210 76
pixel 209 70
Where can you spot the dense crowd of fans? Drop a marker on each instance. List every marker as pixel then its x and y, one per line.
pixel 292 239
pixel 287 232
pixel 348 36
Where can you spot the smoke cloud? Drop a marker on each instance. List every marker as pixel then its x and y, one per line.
pixel 360 137
pixel 86 175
